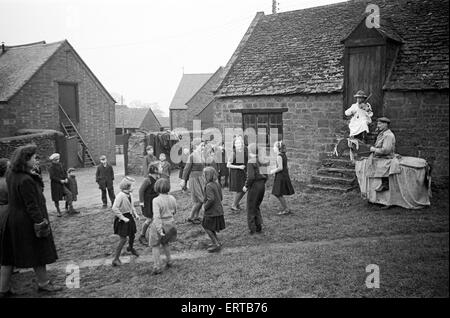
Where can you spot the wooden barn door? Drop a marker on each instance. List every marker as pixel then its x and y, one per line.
pixel 365 71
pixel 68 99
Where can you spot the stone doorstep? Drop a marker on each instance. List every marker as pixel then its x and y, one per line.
pixel 333 188
pixel 331 180
pixel 338 163
pixel 337 172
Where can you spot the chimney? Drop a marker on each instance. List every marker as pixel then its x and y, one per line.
pixel 274 6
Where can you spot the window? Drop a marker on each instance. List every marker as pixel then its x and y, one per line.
pixel 264 120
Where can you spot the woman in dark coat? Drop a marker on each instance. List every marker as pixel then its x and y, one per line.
pixel 238 171
pixel 19 245
pixel 59 183
pixel 4 163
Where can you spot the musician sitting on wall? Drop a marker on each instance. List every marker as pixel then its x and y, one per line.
pixel 361 113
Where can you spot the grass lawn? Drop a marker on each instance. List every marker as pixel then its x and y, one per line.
pixel 321 250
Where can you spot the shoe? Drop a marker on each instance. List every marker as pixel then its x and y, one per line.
pixel 143 240
pixel 104 206
pixel 169 264
pixel 214 248
pixel 58 213
pixel 7 294
pixel 132 251
pixel 49 287
pixel 156 271
pixel 116 262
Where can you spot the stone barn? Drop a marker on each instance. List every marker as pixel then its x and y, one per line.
pixel 298 71
pixel 48 86
pixel 129 120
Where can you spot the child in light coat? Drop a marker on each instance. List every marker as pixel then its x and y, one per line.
pixel 124 224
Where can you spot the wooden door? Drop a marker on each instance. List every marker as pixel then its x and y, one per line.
pixel 68 99
pixel 365 71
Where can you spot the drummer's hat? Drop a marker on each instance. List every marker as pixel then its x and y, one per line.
pixel 360 94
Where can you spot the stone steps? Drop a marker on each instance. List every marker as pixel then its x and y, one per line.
pixel 336 172
pixel 333 188
pixel 331 180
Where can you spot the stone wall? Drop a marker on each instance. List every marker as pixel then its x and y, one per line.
pixel 47 143
pixel 136 147
pixel 178 118
pixel 311 126
pixel 420 123
pixel 36 104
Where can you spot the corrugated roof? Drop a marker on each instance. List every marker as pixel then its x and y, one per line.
pixel 189 85
pixel 128 117
pixel 300 51
pixel 19 63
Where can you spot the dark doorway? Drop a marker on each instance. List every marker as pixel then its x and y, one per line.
pixel 365 71
pixel 68 99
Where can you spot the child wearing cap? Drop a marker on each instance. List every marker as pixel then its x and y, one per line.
pixel 213 220
pixel 125 213
pixel 162 230
pixel 72 185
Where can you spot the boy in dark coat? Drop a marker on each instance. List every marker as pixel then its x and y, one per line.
pixel 58 185
pixel 146 195
pixel 72 185
pixel 256 186
pixel 104 176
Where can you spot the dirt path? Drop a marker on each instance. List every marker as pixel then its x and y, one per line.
pixel 147 258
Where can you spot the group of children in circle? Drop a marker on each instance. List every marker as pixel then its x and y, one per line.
pixel 159 207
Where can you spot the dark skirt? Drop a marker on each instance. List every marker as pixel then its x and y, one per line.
pixel 214 223
pixel 282 185
pixel 125 229
pixel 237 180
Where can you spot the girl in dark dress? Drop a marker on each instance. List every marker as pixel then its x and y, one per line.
pixel 282 184
pixel 213 220
pixel 238 170
pixel 27 216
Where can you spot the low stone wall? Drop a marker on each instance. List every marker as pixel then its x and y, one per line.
pixel 136 147
pixel 47 142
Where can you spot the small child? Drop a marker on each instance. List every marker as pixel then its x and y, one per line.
pixel 282 184
pixel 213 220
pixel 146 195
pixel 162 230
pixel 184 158
pixel 72 185
pixel 148 160
pixel 163 166
pixel 124 224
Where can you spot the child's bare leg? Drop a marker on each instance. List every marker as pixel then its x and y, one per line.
pixel 156 257
pixel 212 236
pixel 195 210
pixel 122 242
pixel 283 202
pixel 166 250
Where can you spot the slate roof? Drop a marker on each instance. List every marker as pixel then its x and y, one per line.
pixel 19 63
pixel 189 85
pixel 300 51
pixel 164 121
pixel 205 95
pixel 129 117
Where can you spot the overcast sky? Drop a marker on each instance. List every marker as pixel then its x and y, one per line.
pixel 139 48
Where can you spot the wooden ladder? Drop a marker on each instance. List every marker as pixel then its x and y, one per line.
pixel 70 130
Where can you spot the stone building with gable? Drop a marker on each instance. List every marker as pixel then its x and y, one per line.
pixel 48 86
pixel 298 71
